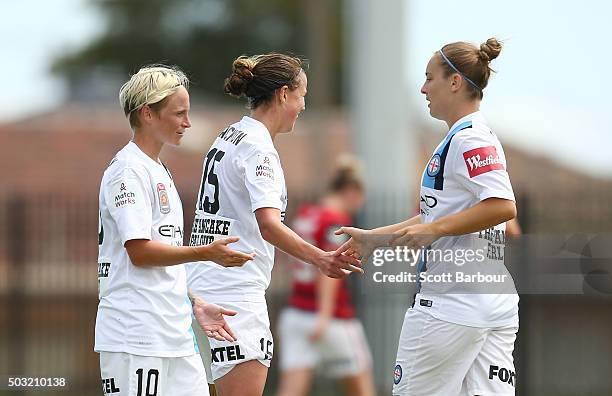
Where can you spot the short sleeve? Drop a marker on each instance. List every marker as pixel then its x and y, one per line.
pixel 264 179
pixel 480 167
pixel 129 204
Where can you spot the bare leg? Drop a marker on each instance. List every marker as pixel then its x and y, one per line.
pixel 246 379
pixel 295 382
pixel 360 385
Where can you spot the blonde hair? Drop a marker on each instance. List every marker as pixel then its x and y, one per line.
pixel 149 86
pixel 471 62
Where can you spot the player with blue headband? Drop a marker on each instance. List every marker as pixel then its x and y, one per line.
pixel 458 336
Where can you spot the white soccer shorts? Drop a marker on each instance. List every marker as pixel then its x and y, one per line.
pixel 252 328
pixel 435 357
pixel 124 374
pixel 341 352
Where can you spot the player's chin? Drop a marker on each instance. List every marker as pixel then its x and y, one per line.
pixel 433 113
pixel 292 126
pixel 178 137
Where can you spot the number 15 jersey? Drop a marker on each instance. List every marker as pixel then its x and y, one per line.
pixel 241 173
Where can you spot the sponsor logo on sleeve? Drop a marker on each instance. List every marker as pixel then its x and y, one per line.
pixel 263 169
pixel 482 160
pixel 164 200
pixel 123 194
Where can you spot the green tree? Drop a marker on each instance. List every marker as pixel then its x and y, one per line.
pixel 203 37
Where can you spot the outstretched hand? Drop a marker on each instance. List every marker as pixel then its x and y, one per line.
pixel 211 319
pixel 337 265
pixel 219 252
pixel 415 236
pixel 361 244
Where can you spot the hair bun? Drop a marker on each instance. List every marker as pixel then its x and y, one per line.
pixel 347 172
pixel 242 74
pixel 489 50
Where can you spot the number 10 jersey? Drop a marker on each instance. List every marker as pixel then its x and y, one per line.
pixel 241 173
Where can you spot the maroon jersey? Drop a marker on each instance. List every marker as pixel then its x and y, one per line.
pixel 316 225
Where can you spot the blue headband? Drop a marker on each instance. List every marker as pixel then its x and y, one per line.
pixel 448 62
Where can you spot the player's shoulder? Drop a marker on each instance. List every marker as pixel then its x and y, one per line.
pixel 125 162
pixel 246 137
pixel 257 135
pixel 477 134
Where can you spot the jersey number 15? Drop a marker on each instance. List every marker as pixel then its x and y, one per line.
pixel 208 198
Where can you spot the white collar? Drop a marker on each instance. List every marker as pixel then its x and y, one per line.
pixel 475 116
pixel 258 125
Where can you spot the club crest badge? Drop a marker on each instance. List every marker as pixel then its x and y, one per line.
pixel 164 200
pixel 397 374
pixel 433 168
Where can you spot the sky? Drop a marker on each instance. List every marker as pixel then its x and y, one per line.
pixel 32 34
pixel 548 95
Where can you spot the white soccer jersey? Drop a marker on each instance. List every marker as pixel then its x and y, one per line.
pixel 241 173
pixel 467 167
pixel 142 310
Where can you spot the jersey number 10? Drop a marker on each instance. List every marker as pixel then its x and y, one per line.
pixel 208 198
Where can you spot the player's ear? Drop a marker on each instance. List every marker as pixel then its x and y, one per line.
pixel 282 93
pixel 456 81
pixel 145 113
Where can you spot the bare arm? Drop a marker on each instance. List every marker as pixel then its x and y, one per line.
pixel 483 215
pixel 390 229
pixel 144 252
pixel 281 236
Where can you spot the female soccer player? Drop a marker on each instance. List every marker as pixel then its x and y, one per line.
pixel 319 329
pixel 243 193
pixel 457 338
pixel 143 326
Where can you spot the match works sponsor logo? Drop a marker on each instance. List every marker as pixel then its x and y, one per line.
pixel 123 196
pixel 482 160
pixel 164 200
pixel 264 168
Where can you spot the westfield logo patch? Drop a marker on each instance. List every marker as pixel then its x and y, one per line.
pixel 482 160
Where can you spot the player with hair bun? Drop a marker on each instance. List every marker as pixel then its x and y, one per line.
pixel 319 330
pixel 243 193
pixel 457 339
pixel 143 326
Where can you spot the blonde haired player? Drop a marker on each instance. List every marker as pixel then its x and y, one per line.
pixel 458 338
pixel 143 325
pixel 243 192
